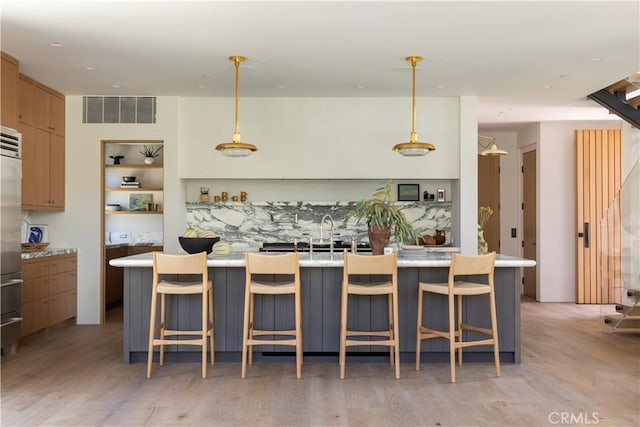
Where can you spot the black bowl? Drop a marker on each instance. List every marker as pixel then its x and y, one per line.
pixel 194 245
pixel 129 178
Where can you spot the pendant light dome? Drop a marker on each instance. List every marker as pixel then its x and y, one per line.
pixel 413 147
pixel 236 148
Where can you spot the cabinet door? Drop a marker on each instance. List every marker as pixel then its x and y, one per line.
pixel 56 172
pixel 9 92
pixel 56 114
pixel 41 173
pixel 62 282
pixel 26 101
pixel 62 307
pixel 29 167
pixel 36 288
pixel 35 315
pixel 41 108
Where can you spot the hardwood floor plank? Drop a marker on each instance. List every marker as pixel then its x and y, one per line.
pixel 73 375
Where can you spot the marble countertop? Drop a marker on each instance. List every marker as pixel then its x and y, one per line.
pixel 432 259
pixel 48 252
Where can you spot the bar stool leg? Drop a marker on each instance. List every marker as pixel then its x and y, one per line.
pixel 252 308
pixel 459 331
pixel 396 334
pixel 298 316
pixel 205 316
pixel 163 325
pixel 343 332
pixel 152 329
pixel 212 336
pixel 452 354
pixel 494 331
pixel 390 327
pixel 418 326
pixel 245 331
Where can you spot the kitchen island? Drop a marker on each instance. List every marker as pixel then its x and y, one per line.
pixel 321 277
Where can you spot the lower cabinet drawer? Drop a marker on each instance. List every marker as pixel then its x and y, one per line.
pixel 62 306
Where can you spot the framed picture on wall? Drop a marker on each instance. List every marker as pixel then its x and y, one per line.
pixel 408 192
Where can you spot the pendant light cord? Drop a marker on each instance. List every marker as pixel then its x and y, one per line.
pixel 237 63
pixel 413 95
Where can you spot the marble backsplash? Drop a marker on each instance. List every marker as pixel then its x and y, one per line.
pixel 249 224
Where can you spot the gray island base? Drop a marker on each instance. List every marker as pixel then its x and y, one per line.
pixel 321 276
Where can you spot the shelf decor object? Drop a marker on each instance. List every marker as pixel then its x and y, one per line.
pixel 140 201
pixel 413 147
pixel 236 148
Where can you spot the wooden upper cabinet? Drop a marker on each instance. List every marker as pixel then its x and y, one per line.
pixel 40 106
pixel 26 100
pixel 9 91
pixel 29 166
pixel 56 172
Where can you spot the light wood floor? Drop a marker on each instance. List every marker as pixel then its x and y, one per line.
pixel 571 367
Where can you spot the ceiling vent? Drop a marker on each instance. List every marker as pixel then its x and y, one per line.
pixel 118 109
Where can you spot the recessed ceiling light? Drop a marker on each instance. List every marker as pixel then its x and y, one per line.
pixel 202 87
pixel 90 68
pixel 115 86
pixel 56 44
pixel 282 86
pixel 207 75
pixel 361 87
pixel 439 87
pixel 596 59
pixel 547 87
pixel 563 76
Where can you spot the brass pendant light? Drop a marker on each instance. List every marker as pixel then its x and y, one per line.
pixel 413 147
pixel 236 148
pixel 491 149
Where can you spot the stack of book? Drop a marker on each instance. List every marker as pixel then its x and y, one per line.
pixel 132 184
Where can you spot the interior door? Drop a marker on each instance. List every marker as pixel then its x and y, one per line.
pixel 489 195
pixel 598 180
pixel 529 227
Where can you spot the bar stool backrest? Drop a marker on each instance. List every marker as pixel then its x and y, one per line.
pixel 180 264
pixel 370 264
pixel 471 264
pixel 272 264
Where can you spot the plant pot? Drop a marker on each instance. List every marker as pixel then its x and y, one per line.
pixel 149 160
pixel 379 238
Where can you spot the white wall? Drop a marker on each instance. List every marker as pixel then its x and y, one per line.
pixel 320 137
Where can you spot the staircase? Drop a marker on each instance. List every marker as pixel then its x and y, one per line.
pixel 628 316
pixel 622 98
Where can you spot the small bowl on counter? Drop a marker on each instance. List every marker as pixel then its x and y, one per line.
pixel 129 178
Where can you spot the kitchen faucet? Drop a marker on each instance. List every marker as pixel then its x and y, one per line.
pixel 324 218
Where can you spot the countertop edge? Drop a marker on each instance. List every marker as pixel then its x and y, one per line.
pixel 324 260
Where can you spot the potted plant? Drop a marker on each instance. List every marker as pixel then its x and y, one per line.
pixel 382 215
pixel 150 153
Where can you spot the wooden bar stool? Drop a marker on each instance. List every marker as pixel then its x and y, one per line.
pixel 277 265
pixel 386 265
pixel 462 265
pixel 196 264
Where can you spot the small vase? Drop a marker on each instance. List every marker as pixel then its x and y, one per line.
pixel 483 247
pixel 149 160
pixel 204 197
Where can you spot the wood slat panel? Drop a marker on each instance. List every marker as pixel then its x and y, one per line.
pixel 598 180
pixel 579 216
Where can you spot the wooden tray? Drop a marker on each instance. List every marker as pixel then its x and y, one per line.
pixel 34 247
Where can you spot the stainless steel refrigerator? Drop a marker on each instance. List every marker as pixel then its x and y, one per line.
pixel 10 239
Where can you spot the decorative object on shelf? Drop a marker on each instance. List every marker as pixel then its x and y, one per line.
pixel 426 196
pixel 408 192
pixel 150 153
pixel 234 198
pixel 484 212
pixel 129 178
pixel 116 159
pixel 37 233
pixel 236 148
pixel 112 207
pixel 413 147
pixel 490 149
pixel 140 201
pixel 204 194
pixel 224 196
pixel 243 196
pixel 216 199
pixel 381 216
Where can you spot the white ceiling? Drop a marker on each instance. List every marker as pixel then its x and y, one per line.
pixel 526 61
